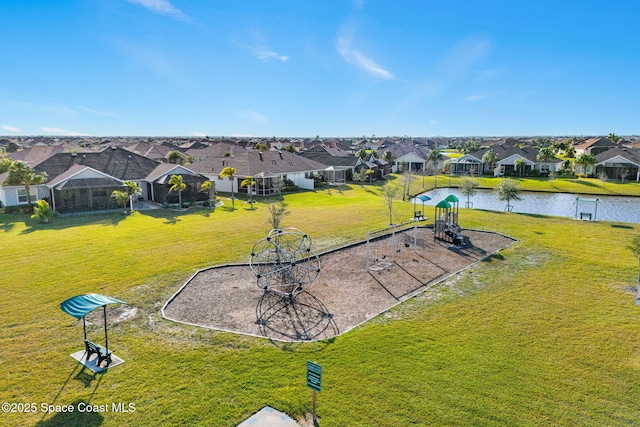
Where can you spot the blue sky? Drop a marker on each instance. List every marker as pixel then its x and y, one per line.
pixel 325 67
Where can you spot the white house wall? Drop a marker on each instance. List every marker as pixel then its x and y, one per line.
pixel 299 179
pixel 9 195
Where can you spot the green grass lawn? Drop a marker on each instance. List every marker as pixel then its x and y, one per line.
pixel 591 186
pixel 543 333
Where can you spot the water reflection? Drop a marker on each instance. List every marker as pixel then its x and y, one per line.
pixel 608 208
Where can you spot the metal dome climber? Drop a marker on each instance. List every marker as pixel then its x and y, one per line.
pixel 285 262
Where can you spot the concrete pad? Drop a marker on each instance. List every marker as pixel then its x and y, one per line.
pixel 269 417
pixel 81 357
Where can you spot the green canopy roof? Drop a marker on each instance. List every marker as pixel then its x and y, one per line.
pixel 452 198
pixel 443 204
pixel 81 305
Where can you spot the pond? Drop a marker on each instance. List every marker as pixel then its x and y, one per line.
pixel 607 208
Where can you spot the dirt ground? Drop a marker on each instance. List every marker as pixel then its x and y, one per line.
pixel 344 295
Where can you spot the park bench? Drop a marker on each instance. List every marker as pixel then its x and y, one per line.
pixel 103 353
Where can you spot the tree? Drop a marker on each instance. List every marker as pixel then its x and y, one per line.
pixel 133 189
pixel 175 156
pixel 470 146
pixel 519 165
pixel 387 156
pixel 277 211
pixel 614 137
pixel 389 193
pixel 490 158
pixel 42 211
pixel 634 247
pixel 362 153
pixel 434 157
pixel 5 164
pixel 122 198
pixel 508 190
pixel 249 182
pixel 602 176
pixel 624 173
pixel 546 154
pixel 469 188
pixel 206 186
pixel 369 173
pixel 20 173
pixel 407 177
pixel 585 160
pixel 177 184
pixel 229 172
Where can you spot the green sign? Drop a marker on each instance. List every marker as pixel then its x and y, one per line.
pixel 314 376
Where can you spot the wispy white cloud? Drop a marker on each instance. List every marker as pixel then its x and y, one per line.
pixel 252 115
pixel 476 97
pixel 96 112
pixel 261 50
pixel 358 4
pixel 433 122
pixel 58 131
pixel 9 128
pixel 162 7
pixel 196 133
pixel 356 57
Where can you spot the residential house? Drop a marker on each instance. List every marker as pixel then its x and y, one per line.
pixel 594 146
pixel 84 181
pixel 269 168
pixel 507 160
pixel 619 163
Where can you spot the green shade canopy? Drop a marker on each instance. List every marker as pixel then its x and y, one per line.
pixel 443 204
pixel 81 305
pixel 452 198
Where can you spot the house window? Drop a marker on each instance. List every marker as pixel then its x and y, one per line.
pixel 22 195
pixel 99 192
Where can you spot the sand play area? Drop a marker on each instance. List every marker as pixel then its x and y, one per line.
pixel 344 294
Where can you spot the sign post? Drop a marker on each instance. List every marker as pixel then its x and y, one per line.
pixel 314 382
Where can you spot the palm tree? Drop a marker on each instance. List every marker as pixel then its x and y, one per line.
pixel 20 173
pixel 249 182
pixel 614 137
pixel 490 158
pixel 42 211
pixel 508 190
pixel 175 156
pixel 206 186
pixel 122 198
pixel 133 189
pixel 519 165
pixel 5 164
pixel 229 172
pixel 177 184
pixel 434 157
pixel 585 160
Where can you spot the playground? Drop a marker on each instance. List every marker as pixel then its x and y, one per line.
pixel 355 283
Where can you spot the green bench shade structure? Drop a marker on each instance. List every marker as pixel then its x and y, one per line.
pixel 81 305
pixel 423 198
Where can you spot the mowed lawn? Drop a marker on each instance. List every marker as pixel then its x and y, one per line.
pixel 545 332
